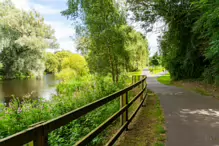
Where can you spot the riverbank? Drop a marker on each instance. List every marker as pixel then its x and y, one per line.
pixel 71 95
pixel 30 88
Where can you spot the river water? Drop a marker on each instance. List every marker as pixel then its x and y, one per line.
pixel 34 88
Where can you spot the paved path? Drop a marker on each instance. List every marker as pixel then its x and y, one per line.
pixel 191 119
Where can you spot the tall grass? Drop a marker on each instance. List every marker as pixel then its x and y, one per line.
pixel 71 95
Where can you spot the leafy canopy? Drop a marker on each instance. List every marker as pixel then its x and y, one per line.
pixel 23 37
pixel 104 37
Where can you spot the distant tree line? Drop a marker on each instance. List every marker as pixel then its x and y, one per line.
pixel 104 38
pixel 190 43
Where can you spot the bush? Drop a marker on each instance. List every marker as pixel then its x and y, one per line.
pixel 66 74
pixel 19 115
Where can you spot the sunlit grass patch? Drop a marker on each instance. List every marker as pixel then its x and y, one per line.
pixel 156 70
pixel 135 73
pixel 165 79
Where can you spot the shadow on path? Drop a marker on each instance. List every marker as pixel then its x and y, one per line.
pixel 191 119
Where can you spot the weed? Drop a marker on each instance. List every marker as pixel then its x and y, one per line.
pixel 20 115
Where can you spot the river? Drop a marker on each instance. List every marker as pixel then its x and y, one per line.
pixel 34 88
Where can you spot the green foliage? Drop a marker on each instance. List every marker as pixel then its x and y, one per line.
pixel 189 45
pixel 61 55
pixel 17 117
pixel 23 37
pixel 72 66
pixel 165 79
pixel 66 74
pixel 52 63
pixel 155 60
pixel 77 63
pixel 206 27
pixel 71 95
pixel 156 69
pixel 109 44
pixel 137 48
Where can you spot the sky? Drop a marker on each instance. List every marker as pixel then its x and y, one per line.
pixel 50 10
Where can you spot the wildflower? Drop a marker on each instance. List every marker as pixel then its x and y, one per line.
pixel 19 110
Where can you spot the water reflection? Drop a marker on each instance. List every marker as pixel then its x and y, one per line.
pixel 36 88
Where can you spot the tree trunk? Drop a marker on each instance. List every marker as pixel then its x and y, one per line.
pixel 117 73
pixel 111 65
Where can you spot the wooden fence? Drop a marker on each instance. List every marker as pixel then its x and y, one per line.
pixel 38 134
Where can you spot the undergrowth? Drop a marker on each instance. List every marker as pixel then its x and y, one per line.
pixel 20 115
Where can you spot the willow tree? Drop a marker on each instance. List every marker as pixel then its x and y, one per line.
pixel 137 47
pixel 100 23
pixel 103 34
pixel 61 55
pixel 51 63
pixel 24 38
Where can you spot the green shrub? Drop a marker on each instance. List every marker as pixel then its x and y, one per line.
pixel 20 115
pixel 66 74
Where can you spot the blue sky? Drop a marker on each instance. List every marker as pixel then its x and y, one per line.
pixel 50 10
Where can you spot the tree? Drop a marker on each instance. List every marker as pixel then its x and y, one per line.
pixel 24 38
pixel 102 21
pixel 137 46
pixel 77 63
pixel 52 63
pixel 66 74
pixel 61 55
pixel 179 45
pixel 104 26
pixel 206 30
pixel 155 60
pixel 73 66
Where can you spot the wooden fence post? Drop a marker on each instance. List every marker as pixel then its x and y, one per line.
pixel 41 141
pixel 41 138
pixel 123 102
pixel 121 105
pixel 143 93
pixel 135 79
pixel 127 110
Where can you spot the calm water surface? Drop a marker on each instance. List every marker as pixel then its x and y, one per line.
pixel 45 88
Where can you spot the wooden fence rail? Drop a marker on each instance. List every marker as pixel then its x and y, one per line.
pixel 39 133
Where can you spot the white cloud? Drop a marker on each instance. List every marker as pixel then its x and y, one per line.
pixel 62 29
pixel 27 5
pixel 63 33
pixel 45 10
pixel 68 44
pixel 22 4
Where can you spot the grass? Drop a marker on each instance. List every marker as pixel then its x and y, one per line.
pixel 198 87
pixel 202 91
pixel 147 128
pixel 158 129
pixel 195 86
pixel 156 70
pixel 135 73
pixel 165 79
